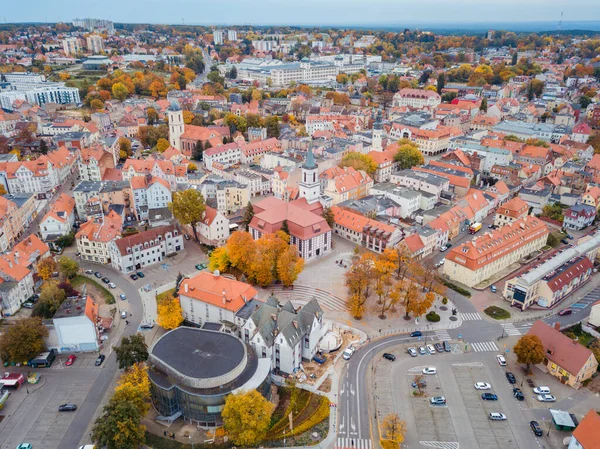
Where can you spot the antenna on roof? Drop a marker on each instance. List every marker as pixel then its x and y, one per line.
pixel 559 27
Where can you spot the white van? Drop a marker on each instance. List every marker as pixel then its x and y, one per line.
pixel 348 353
pixel 124 314
pixel 541 390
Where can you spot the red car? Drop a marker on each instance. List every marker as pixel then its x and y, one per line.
pixel 70 360
pixel 565 312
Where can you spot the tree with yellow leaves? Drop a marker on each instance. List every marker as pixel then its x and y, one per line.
pixel 162 145
pixel 188 117
pixel 359 279
pixel 289 266
pixel 170 315
pixel 219 259
pixel 46 267
pixel 393 428
pixel 134 387
pixel 382 278
pixel 246 417
pixel 415 302
pixel 263 269
pixel 241 250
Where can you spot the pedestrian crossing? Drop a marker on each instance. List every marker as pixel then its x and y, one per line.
pixel 510 329
pixel 354 443
pixel 443 335
pixel 486 346
pixel 440 444
pixel 470 316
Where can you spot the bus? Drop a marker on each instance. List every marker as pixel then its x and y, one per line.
pixel 43 360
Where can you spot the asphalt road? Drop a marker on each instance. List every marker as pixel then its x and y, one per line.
pixel 354 426
pixel 85 413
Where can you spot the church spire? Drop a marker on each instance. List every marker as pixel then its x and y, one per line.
pixel 309 163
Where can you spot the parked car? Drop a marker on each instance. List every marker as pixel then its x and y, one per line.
pixel 447 346
pixel 510 377
pixel 147 326
pixel 429 370
pixel 348 352
pixel 24 446
pixel 133 276
pixel 201 266
pixel 112 285
pixel 412 352
pixel 431 349
pixel 141 275
pixel 319 359
pixel 416 334
pixel 483 386
pixel 493 289
pixel 541 390
pixel 99 360
pixel 71 360
pixel 122 296
pixel 124 314
pixel 422 350
pixel 565 241
pixel 497 416
pixel 443 248
pixel 28 305
pixel 142 223
pixel 388 356
pixel 106 280
pixel 501 360
pixel 536 429
pixel 489 397
pixel 439 347
pixel 518 394
pixel 67 408
pixel 546 398
pixel 98 274
pixel 438 400
pixel 89 271
pixel 565 312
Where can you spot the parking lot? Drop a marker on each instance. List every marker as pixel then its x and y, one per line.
pixel 464 420
pixel 489 434
pixel 33 416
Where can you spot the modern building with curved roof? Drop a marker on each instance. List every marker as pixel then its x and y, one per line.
pixel 193 370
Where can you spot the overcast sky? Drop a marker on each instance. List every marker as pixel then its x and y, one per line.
pixel 317 12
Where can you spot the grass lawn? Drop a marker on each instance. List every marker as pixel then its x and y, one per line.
pixel 93 288
pixel 582 337
pixel 498 313
pixel 163 295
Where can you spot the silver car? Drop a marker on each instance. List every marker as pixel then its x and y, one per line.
pixel 412 352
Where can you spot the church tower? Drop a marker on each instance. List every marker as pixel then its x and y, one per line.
pixel 377 133
pixel 175 115
pixel 309 186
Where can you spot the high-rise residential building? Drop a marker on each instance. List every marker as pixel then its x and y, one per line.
pixel 232 35
pixel 94 43
pixel 218 37
pixel 71 46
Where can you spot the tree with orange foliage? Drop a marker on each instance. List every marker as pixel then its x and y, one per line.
pixel 359 280
pixel 241 250
pixel 289 266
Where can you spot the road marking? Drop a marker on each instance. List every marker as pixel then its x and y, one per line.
pixel 440 444
pixel 443 335
pixel 510 329
pixel 470 316
pixel 417 369
pixel 486 346
pixel 580 306
pixel 354 443
pixel 468 364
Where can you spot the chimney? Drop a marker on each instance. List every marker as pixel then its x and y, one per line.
pixel 557 326
pixel 185 287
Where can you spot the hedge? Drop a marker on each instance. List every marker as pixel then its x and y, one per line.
pixel 299 400
pixel 433 317
pixel 457 289
pixel 319 415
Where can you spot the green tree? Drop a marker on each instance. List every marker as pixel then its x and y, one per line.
pixel 273 126
pixel 22 340
pixel 232 73
pixel 529 350
pixel 285 228
pixel 584 101
pixel 132 350
pixel 119 426
pixel 66 240
pixel 248 215
pixel 188 208
pixel 329 216
pixel 246 417
pixel 119 91
pixel 483 106
pixel 198 153
pixel 408 156
pixel 43 147
pixel 441 83
pixel 68 267
pixel 51 298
